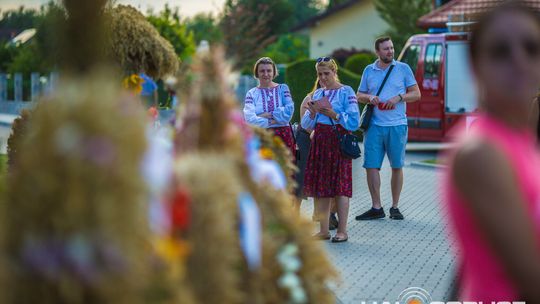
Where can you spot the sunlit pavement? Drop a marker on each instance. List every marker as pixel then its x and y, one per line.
pixel 384 257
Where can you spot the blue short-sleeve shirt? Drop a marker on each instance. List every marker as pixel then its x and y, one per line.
pixel 149 86
pixel 401 78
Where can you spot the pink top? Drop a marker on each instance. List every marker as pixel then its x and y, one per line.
pixel 482 275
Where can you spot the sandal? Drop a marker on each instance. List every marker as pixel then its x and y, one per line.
pixel 337 239
pixel 321 237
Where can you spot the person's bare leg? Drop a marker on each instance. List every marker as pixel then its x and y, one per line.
pixel 374 185
pixel 342 203
pixel 397 185
pixel 323 208
pixel 333 205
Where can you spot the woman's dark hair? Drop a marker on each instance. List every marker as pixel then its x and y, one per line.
pixel 490 16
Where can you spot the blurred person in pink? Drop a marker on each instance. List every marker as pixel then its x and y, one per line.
pixel 492 184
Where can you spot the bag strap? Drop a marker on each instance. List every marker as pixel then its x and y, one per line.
pixel 385 79
pixel 293 135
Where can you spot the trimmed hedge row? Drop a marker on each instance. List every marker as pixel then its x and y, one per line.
pixel 357 63
pixel 300 77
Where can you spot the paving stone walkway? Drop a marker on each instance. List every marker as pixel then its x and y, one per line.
pixel 385 257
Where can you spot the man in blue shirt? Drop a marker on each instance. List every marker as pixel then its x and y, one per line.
pixel 149 91
pixel 387 133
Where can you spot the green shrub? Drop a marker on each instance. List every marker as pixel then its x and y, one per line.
pixel 300 77
pixel 357 63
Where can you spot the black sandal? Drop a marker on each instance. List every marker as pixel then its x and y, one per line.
pixel 337 239
pixel 321 237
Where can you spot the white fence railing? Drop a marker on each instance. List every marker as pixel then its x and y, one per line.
pixel 17 93
pixel 38 85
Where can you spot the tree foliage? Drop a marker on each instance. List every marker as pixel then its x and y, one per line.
pixel 246 34
pixel 40 54
pixel 250 26
pixel 334 3
pixel 170 26
pixel 289 48
pixel 402 15
pixel 19 19
pixel 304 10
pixel 204 26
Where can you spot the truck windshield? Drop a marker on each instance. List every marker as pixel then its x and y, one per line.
pixel 461 94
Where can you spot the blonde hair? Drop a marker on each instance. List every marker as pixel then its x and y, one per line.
pixel 316 85
pixel 331 64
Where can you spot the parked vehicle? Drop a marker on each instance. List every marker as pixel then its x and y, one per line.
pixel 441 66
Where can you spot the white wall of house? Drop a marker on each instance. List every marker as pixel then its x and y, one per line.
pixel 357 26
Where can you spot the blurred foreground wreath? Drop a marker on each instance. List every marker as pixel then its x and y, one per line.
pixel 74 225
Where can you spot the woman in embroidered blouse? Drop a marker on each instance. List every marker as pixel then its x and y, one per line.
pixel 328 173
pixel 270 105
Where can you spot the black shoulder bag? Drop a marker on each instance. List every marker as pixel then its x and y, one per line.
pixel 348 143
pixel 367 112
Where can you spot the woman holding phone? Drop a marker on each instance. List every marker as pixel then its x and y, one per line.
pixel 333 110
pixel 492 185
pixel 270 105
pixel 303 141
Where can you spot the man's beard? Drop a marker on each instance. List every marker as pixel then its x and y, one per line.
pixel 386 60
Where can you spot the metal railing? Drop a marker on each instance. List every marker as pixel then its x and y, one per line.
pixel 18 92
pixel 38 85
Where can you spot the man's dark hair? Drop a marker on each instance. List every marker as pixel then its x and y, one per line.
pixel 381 40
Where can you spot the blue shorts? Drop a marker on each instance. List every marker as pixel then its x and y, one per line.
pixel 379 141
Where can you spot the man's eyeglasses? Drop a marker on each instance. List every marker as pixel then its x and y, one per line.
pixel 325 59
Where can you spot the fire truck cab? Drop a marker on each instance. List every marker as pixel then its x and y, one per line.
pixel 442 69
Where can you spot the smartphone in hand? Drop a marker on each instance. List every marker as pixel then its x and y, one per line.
pixel 381 107
pixel 325 103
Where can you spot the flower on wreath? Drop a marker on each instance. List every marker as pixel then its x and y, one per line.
pixel 267 153
pixel 172 249
pixel 180 213
pixel 133 83
pixel 290 263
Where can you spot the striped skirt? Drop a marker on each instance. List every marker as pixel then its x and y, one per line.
pixel 328 173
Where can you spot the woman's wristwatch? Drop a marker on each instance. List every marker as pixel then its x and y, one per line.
pixel 337 116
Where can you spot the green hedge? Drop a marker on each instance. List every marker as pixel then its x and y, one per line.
pixel 300 77
pixel 357 63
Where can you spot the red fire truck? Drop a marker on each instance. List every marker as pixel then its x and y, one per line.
pixel 442 69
